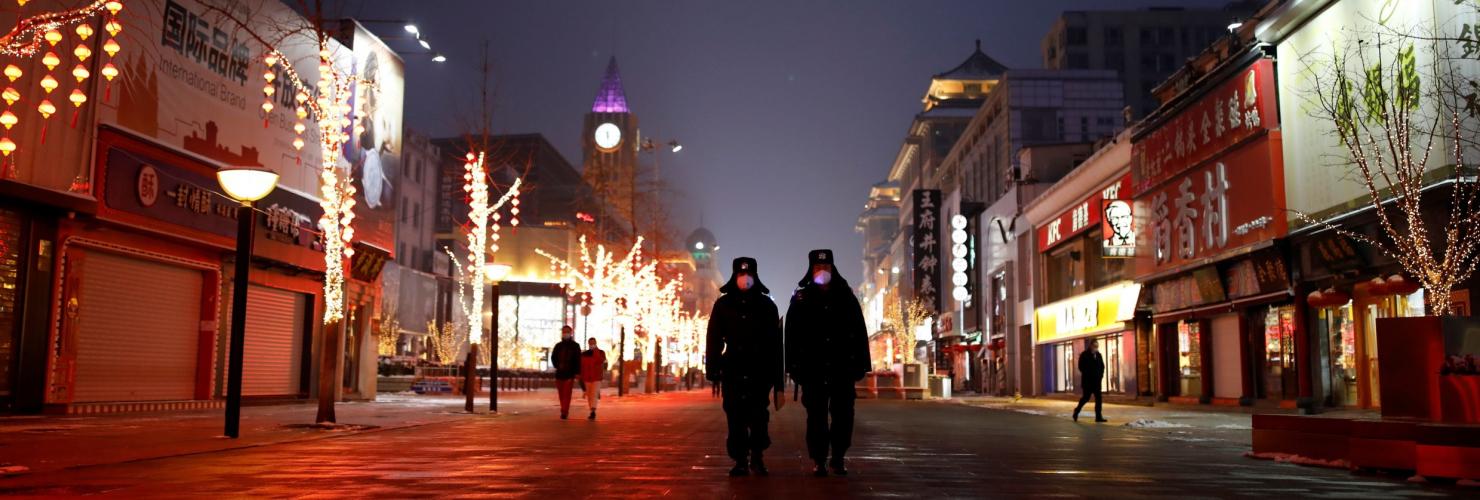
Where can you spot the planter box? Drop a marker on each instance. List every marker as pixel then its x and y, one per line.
pixel 1412 352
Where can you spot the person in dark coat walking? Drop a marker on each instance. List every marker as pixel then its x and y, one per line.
pixel 826 353
pixel 744 360
pixel 566 358
pixel 1092 372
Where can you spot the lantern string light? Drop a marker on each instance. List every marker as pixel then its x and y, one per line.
pixel 26 38
pixel 31 34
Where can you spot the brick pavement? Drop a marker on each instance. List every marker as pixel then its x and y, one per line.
pixel 672 445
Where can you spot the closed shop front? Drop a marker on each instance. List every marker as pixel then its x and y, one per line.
pixel 138 330
pixel 273 362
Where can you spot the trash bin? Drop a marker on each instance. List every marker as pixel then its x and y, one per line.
pixel 940 387
pixel 912 376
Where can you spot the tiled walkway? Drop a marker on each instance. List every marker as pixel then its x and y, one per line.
pixel 672 445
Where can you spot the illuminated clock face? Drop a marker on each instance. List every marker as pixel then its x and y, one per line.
pixel 608 135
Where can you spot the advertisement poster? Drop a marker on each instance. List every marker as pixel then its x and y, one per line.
pixel 192 80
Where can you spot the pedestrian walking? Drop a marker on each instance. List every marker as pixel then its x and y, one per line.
pixel 566 358
pixel 593 366
pixel 826 354
pixel 1091 371
pixel 744 361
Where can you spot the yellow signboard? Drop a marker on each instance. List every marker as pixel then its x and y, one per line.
pixel 1100 311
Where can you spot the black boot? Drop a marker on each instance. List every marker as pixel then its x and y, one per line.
pixel 821 470
pixel 564 415
pixel 593 415
pixel 838 468
pixel 758 465
pixel 740 469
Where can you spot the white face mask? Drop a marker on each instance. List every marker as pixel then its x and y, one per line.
pixel 744 281
pixel 822 277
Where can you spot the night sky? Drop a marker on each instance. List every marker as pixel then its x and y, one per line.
pixel 788 110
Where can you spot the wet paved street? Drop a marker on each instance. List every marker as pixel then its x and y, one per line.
pixel 672 445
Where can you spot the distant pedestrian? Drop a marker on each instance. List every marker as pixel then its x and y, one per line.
pixel 566 358
pixel 744 362
pixel 826 354
pixel 1091 371
pixel 593 366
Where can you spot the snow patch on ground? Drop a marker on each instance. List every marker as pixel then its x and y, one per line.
pixel 1237 427
pixel 1300 460
pixel 1146 423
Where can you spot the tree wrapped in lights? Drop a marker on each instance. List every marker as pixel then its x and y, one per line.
pixel 626 293
pixel 902 318
pixel 1406 125
pixel 480 248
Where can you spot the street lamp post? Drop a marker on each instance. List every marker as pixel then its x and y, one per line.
pixel 496 274
pixel 245 185
pixel 654 378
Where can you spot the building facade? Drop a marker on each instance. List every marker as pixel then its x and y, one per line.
pixel 1144 46
pixel 411 282
pixel 128 197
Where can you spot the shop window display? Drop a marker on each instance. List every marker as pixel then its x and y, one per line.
pixel 1279 352
pixel 1343 342
pixel 1064 367
pixel 1189 358
pixel 1110 350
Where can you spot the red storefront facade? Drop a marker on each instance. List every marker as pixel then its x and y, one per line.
pixel 1210 211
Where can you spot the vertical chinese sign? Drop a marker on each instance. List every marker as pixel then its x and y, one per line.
pixel 926 247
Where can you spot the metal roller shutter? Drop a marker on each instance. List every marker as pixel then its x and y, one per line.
pixel 138 330
pixel 274 344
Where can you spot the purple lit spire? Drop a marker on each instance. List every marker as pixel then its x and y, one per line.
pixel 611 98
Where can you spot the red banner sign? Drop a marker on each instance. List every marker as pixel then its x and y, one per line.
pixel 1238 109
pixel 1083 215
pixel 1236 200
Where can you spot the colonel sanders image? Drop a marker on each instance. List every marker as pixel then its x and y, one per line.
pixel 1118 216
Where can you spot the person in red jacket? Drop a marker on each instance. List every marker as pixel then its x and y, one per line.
pixel 593 367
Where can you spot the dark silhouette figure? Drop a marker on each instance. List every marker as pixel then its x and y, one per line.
pixel 566 358
pixel 1092 372
pixel 826 353
pixel 744 362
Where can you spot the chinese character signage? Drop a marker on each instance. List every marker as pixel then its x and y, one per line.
pixel 1088 213
pixel 1235 200
pixel 1240 108
pixel 193 82
pixel 1103 310
pixel 926 249
pixel 1262 272
pixel 155 192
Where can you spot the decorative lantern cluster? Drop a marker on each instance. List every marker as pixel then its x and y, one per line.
pixel 45 31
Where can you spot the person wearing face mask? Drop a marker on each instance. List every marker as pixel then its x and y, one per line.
pixel 826 353
pixel 566 358
pixel 744 361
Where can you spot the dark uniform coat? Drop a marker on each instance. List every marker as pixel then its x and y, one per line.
pixel 826 352
pixel 744 357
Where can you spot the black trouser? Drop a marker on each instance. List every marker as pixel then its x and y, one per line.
pixel 1090 390
pixel 824 399
pixel 745 402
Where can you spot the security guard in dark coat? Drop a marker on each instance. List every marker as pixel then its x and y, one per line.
pixel 744 359
pixel 826 353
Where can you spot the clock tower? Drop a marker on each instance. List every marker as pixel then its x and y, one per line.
pixel 609 145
